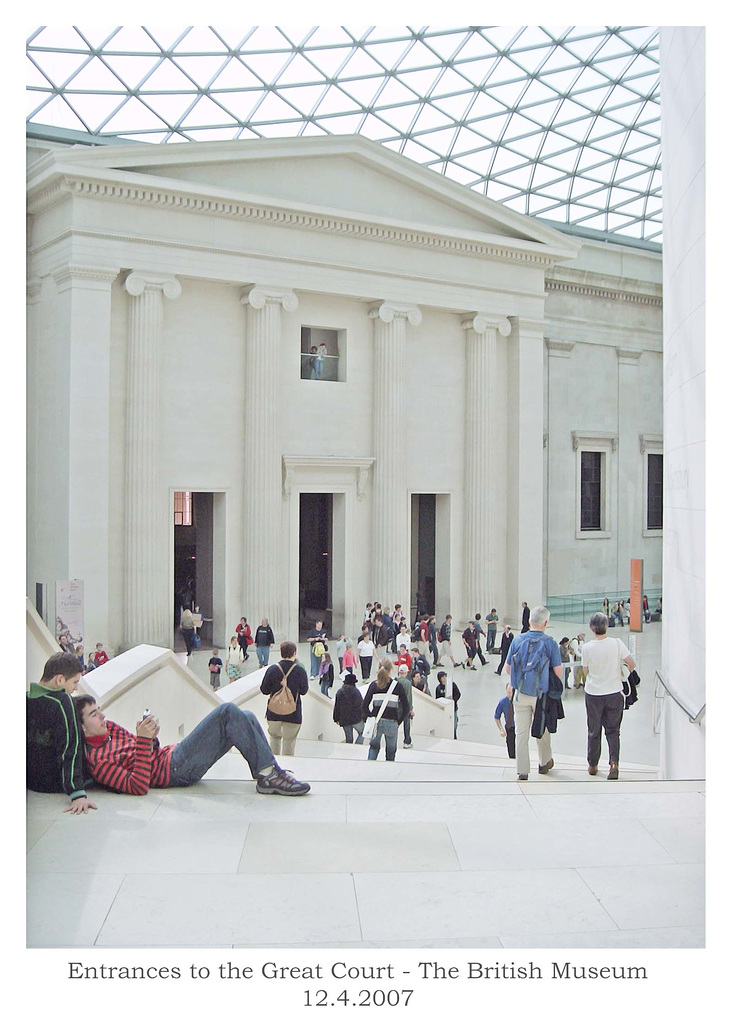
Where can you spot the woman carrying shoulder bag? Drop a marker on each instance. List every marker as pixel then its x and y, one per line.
pixel 385 702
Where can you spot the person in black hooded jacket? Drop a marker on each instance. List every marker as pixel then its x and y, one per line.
pixel 348 709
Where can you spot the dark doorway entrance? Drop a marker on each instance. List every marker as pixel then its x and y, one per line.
pixel 193 560
pixel 423 555
pixel 315 562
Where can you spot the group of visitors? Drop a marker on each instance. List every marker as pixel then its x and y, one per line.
pixel 389 701
pixel 238 653
pixel 533 702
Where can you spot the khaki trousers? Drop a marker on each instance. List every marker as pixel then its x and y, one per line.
pixel 524 709
pixel 285 733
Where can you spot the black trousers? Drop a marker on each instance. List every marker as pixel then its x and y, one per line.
pixel 503 659
pixel 366 664
pixel 510 740
pixel 603 712
pixel 187 634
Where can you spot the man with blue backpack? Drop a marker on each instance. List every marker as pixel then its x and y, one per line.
pixel 531 658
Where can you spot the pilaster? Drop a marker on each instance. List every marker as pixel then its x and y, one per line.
pixel 525 460
pixel 146 611
pixel 480 546
pixel 263 582
pixel 82 327
pixel 630 469
pixel 390 506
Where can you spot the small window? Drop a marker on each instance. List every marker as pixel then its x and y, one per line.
pixel 182 508
pixel 654 491
pixel 591 490
pixel 322 354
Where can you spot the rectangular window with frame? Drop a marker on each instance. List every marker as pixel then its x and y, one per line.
pixel 323 354
pixel 654 491
pixel 592 464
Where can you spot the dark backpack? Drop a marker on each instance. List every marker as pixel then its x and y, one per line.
pixel 528 664
pixel 443 632
pixel 416 634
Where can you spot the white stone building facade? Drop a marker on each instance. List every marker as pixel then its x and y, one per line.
pixel 476 354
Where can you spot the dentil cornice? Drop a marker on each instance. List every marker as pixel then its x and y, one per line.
pixel 514 251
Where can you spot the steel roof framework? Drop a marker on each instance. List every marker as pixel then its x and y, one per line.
pixel 559 123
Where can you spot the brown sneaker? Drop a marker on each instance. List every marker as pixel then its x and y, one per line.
pixel 592 769
pixel 613 771
pixel 545 768
pixel 522 778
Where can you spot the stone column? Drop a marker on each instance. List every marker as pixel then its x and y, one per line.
pixel 525 465
pixel 146 598
pixel 263 592
pixel 479 541
pixel 390 518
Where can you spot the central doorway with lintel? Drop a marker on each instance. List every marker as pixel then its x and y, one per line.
pixel 323 496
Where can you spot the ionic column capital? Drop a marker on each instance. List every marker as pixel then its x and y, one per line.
pixel 388 311
pixel 138 281
pixel 257 295
pixel 483 322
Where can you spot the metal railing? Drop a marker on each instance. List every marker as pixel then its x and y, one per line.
pixel 694 717
pixel 578 607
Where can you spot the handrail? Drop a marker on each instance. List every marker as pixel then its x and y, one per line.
pixel 694 718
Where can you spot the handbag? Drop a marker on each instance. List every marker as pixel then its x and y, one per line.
pixel 370 725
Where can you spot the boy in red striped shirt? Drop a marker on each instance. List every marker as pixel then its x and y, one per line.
pixel 133 764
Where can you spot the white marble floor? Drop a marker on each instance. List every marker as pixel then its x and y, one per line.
pixel 429 851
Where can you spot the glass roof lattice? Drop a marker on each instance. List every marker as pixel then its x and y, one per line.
pixel 557 123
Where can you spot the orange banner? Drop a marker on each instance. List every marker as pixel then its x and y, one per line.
pixel 636 616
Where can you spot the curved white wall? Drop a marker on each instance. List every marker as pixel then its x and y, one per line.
pixel 683 87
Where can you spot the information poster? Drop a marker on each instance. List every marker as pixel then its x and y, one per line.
pixel 69 613
pixel 636 595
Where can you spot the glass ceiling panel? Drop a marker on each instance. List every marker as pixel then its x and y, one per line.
pixel 513 113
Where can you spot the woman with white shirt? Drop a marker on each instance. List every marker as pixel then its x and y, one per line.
pixel 601 666
pixel 235 660
pixel 366 649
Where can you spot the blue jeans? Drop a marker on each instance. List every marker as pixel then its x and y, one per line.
pixel 325 686
pixel 225 727
pixel 315 664
pixel 491 637
pixel 349 732
pixel 263 655
pixel 389 729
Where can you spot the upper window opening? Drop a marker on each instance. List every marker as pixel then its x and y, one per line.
pixel 322 354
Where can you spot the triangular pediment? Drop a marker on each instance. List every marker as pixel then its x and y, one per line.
pixel 341 174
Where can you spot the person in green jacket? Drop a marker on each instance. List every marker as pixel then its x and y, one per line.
pixel 55 761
